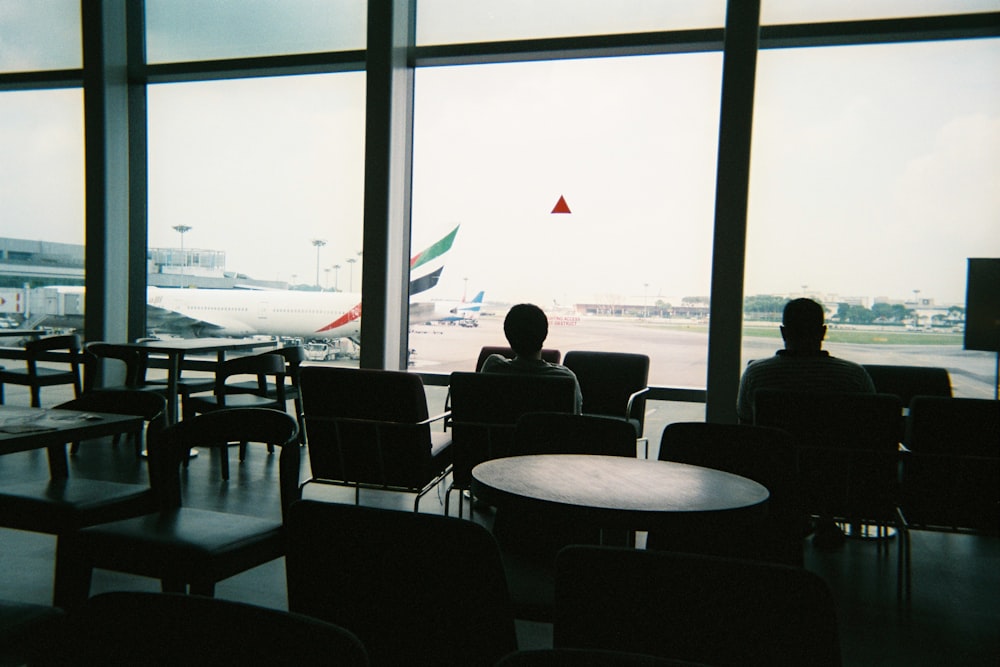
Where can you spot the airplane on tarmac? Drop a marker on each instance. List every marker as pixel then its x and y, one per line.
pixel 462 313
pixel 196 312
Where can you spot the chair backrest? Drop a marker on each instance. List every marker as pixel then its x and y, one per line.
pixel 684 606
pixel 848 446
pixel 366 426
pixel 485 408
pixel 168 448
pixel 951 473
pixel 550 355
pixel 130 358
pixel 608 380
pixel 767 456
pixel 909 381
pixel 263 366
pixel 70 343
pixel 417 589
pixel 195 630
pixel 293 355
pixel 566 433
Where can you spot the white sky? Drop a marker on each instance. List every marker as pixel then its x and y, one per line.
pixel 875 172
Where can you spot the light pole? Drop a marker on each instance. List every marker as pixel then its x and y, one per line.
pixel 645 306
pixel 916 315
pixel 326 278
pixel 336 277
pixel 182 229
pixel 319 243
pixel 351 260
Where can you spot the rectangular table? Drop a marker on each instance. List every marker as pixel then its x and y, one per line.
pixel 175 349
pixel 23 429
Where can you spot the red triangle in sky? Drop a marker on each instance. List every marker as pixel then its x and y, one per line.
pixel 561 206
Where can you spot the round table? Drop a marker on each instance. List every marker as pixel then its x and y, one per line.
pixel 614 491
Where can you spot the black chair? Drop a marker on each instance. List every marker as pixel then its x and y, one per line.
pixel 293 355
pixel 196 630
pixel 370 429
pixel 26 631
pixel 717 611
pixel 765 455
pixel 567 433
pixel 550 355
pixel 417 589
pixel 909 381
pixel 35 376
pixel 62 505
pixel 950 477
pixel 185 546
pixel 613 384
pixel 848 447
pixel 227 393
pixel 485 408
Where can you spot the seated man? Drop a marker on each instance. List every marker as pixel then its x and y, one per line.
pixel 802 365
pixel 526 328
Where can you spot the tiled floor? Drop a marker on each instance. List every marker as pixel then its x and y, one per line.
pixel 953 618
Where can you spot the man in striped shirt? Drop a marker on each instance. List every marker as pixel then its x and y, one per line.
pixel 802 365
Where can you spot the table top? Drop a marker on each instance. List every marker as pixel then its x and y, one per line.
pixel 33 333
pixel 184 345
pixel 23 429
pixel 614 490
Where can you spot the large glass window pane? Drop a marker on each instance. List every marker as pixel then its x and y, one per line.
pixel 457 21
pixel 183 30
pixel 41 208
pixel 40 35
pixel 812 11
pixel 255 202
pixel 873 180
pixel 628 147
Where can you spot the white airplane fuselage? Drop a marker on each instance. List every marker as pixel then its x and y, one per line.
pixel 247 312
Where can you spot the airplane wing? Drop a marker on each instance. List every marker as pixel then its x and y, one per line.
pixel 171 321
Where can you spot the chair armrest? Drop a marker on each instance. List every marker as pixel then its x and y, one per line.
pixel 631 399
pixel 443 416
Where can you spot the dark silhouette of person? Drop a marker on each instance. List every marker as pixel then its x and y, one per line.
pixel 803 366
pixel 526 328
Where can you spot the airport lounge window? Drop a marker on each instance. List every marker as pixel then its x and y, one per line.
pixel 192 30
pixel 585 186
pixel 257 183
pixel 873 179
pixel 39 36
pixel 41 206
pixel 465 21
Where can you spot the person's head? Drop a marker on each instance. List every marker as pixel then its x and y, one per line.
pixel 526 328
pixel 802 325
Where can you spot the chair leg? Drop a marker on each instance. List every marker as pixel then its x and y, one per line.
pixel 36 397
pixel 73 573
pixel 224 462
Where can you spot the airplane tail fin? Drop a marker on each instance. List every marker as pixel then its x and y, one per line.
pixel 425 260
